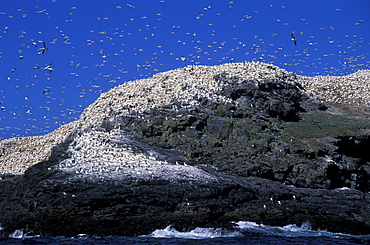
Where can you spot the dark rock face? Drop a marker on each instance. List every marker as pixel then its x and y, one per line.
pixel 274 155
pixel 54 207
pixel 251 131
pixel 353 170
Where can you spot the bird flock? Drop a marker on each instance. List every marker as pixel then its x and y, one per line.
pixel 58 57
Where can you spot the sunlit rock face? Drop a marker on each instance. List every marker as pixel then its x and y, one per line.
pixel 196 146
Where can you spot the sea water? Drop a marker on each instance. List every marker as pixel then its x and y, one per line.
pixel 245 233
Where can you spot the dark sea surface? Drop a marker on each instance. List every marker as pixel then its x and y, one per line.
pixel 246 233
pixel 252 239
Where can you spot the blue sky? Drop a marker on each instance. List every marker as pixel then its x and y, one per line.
pixel 92 46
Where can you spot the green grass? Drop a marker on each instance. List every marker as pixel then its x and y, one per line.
pixel 319 124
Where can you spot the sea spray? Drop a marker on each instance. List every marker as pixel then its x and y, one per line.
pixel 17 234
pixel 197 233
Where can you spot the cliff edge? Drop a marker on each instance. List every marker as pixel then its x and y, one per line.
pixel 199 146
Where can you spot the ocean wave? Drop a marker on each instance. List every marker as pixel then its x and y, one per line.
pixel 292 230
pixel 20 234
pixel 197 233
pixel 17 234
pixel 246 228
pixel 242 230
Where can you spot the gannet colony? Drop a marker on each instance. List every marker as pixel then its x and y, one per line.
pixel 133 98
pixel 199 146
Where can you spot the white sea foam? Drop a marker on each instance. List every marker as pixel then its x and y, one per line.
pixel 20 234
pixel 305 230
pixel 247 227
pixel 197 233
pixel 287 230
pixel 17 234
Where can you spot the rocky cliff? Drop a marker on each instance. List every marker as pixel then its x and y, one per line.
pixel 199 146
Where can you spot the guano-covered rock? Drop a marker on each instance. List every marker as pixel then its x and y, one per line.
pixel 198 146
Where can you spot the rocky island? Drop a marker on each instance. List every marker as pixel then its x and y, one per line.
pixel 199 146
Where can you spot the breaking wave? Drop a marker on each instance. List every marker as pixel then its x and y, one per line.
pixel 197 233
pixel 247 228
pixel 243 232
pixel 305 230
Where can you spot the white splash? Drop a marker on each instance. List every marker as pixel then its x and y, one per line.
pixel 17 234
pixel 243 228
pixel 197 233
pixel 247 225
pixel 305 230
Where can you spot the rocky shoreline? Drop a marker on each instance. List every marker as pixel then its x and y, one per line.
pixel 198 147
